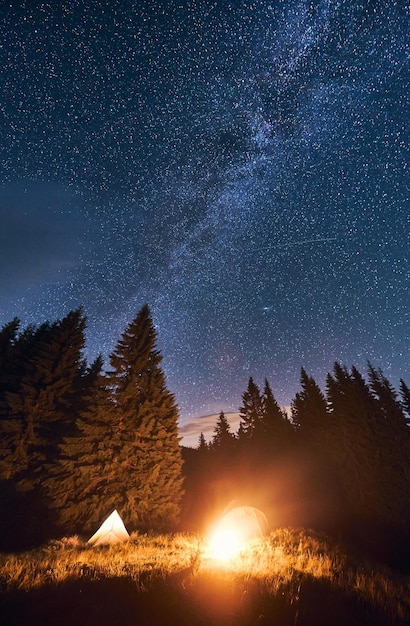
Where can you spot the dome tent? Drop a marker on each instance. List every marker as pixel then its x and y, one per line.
pixel 236 528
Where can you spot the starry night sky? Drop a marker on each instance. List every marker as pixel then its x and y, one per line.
pixel 242 167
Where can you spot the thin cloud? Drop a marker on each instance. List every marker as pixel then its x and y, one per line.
pixel 191 431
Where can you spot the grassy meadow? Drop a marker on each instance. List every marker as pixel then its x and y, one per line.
pixel 290 578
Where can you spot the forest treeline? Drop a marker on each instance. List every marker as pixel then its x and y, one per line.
pixel 340 462
pixel 78 440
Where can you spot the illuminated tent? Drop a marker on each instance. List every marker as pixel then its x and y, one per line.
pixel 236 528
pixel 111 531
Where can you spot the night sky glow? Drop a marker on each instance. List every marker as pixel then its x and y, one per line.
pixel 242 167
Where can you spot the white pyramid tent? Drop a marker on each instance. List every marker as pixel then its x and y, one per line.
pixel 111 531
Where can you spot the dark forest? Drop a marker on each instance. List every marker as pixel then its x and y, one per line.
pixel 77 440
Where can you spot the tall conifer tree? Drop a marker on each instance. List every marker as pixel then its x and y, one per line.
pixel 10 429
pixel 146 448
pixel 309 408
pixel 393 439
pixel 405 398
pixel 359 447
pixel 277 431
pixel 78 482
pixel 223 438
pixel 203 447
pixel 352 407
pixel 388 399
pixel 8 366
pixel 17 351
pixel 251 412
pixel 45 402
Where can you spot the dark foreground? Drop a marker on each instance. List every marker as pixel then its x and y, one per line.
pixel 208 599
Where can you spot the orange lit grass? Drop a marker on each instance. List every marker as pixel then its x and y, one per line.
pixel 277 562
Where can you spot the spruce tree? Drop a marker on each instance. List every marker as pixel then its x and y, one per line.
pixel 352 441
pixel 405 399
pixel 393 442
pixel 388 400
pixel 223 438
pixel 8 366
pixel 147 475
pixel 77 485
pixel 202 445
pixel 43 406
pixel 309 409
pixel 16 351
pixel 251 412
pixel 276 429
pixel 362 449
pixel 9 429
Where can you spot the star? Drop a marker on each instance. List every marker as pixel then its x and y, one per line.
pixel 240 167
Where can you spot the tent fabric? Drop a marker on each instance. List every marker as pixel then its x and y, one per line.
pixel 250 522
pixel 111 531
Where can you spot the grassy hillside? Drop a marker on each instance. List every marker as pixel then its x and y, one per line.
pixel 291 578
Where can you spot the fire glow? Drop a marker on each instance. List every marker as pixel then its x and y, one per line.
pixel 235 531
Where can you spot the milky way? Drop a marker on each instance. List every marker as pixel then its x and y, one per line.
pixel 242 167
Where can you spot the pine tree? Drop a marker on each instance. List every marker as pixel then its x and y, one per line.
pixel 44 405
pixel 202 445
pixel 251 412
pixel 8 339
pixel 10 430
pixel 40 398
pixel 388 400
pixel 309 409
pixel 147 475
pixel 223 438
pixel 405 398
pixel 371 479
pixel 16 352
pixel 276 429
pixel 351 407
pixel 393 441
pixel 77 487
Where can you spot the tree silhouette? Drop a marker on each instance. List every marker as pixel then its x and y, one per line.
pixel 147 478
pixel 77 483
pixel 369 446
pixel 223 438
pixel 276 430
pixel 251 412
pixel 203 447
pixel 43 408
pixel 8 366
pixel 309 408
pixel 405 399
pixel 388 400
